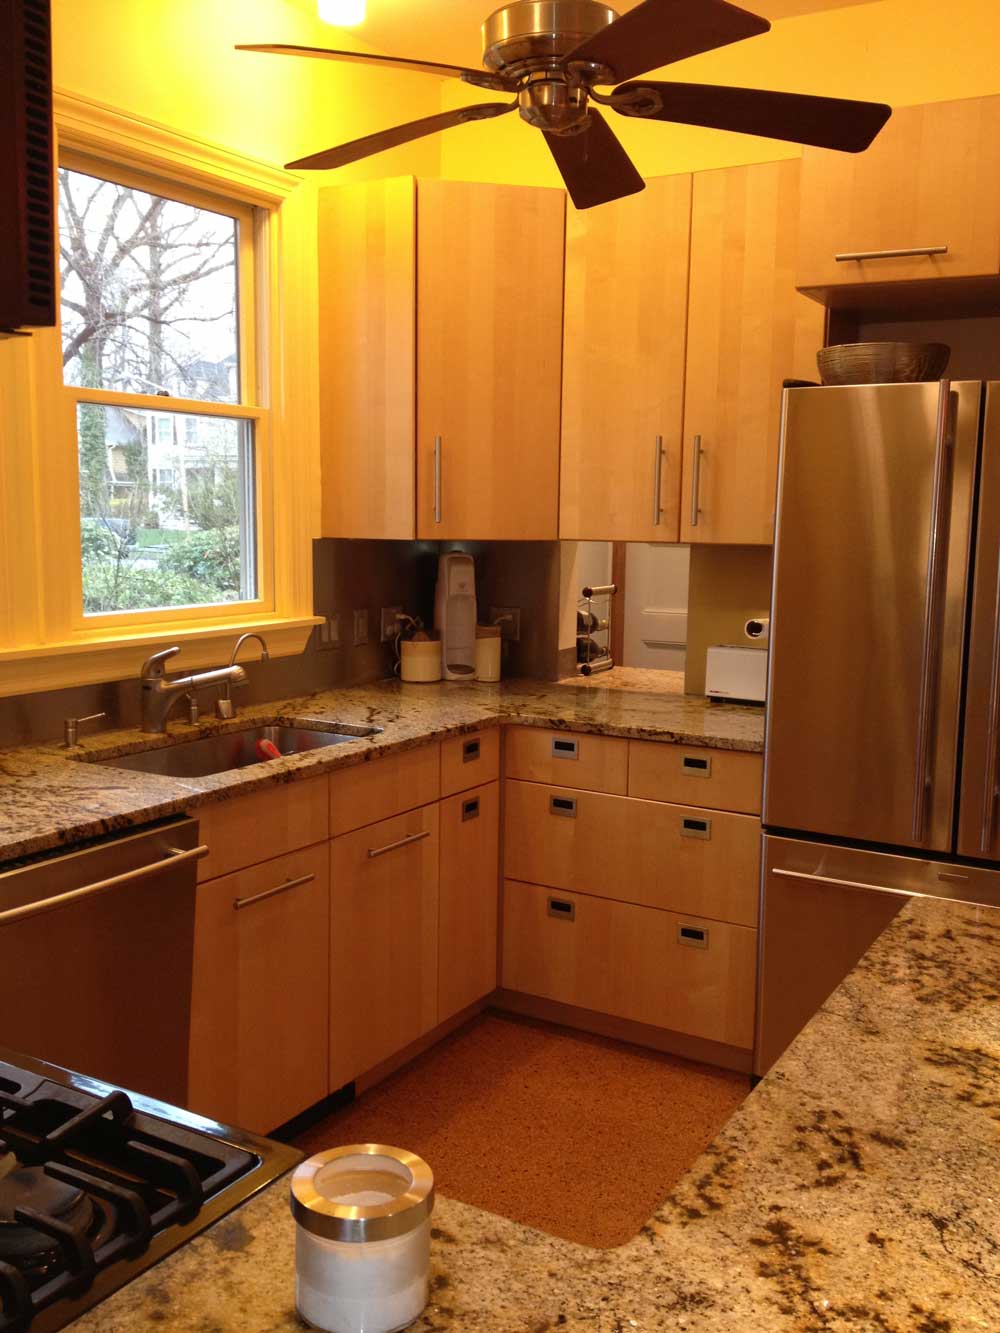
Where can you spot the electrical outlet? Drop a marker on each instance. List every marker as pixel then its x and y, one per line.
pixel 360 628
pixel 389 626
pixel 509 629
pixel 329 632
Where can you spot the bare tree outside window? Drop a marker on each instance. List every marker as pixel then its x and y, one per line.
pixel 149 306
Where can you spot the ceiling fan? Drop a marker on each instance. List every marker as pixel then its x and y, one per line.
pixel 553 55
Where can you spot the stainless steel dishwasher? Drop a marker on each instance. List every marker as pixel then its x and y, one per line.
pixel 96 949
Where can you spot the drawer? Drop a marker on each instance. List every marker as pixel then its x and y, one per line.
pixel 247 829
pixel 592 763
pixel 715 779
pixel 470 760
pixel 669 970
pixel 384 787
pixel 657 855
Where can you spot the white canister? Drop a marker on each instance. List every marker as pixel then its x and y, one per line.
pixel 420 659
pixel 362 1249
pixel 488 646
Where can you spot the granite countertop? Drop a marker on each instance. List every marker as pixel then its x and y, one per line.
pixel 49 799
pixel 857 1188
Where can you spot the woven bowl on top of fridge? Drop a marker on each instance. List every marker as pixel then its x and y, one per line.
pixel 882 363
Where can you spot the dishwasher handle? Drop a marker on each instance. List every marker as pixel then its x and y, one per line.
pixel 175 856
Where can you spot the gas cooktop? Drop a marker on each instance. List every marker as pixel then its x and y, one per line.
pixel 97 1185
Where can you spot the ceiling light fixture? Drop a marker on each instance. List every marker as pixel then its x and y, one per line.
pixel 342 13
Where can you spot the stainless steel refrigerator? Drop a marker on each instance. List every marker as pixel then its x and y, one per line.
pixel 880 775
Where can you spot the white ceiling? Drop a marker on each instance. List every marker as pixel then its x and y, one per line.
pixel 448 30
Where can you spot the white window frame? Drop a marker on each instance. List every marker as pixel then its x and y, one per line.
pixel 60 412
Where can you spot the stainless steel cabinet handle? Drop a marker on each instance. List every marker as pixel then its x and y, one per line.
pixel 657 480
pixel 696 481
pixel 849 884
pixel 913 253
pixel 437 478
pixel 931 649
pixel 868 888
pixel 175 855
pixel 990 771
pixel 395 846
pixel 239 903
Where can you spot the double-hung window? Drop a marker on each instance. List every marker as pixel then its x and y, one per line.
pixel 160 394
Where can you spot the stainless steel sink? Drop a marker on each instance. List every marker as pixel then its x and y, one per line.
pixel 235 749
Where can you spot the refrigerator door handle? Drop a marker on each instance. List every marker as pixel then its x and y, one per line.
pixel 936 547
pixel 990 772
pixel 863 887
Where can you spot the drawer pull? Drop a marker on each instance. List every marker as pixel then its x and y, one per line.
pixel 470 751
pixel 395 846
pixel 240 903
pixel 695 937
pixel 915 252
pixel 562 805
pixel 564 749
pixel 470 809
pixel 559 907
pixel 696 828
pixel 694 766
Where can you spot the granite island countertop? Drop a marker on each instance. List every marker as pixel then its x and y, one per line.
pixel 857 1188
pixel 49 799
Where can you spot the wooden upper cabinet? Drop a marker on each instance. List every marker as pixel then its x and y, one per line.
pixel 489 321
pixel 623 365
pixel 748 329
pixel 931 178
pixel 367 312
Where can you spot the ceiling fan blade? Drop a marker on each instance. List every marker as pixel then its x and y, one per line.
pixel 478 77
pixel 658 32
pixel 826 122
pixel 594 165
pixel 399 134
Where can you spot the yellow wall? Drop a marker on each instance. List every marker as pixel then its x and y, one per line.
pixel 897 51
pixel 173 61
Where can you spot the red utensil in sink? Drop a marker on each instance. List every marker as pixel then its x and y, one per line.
pixel 268 750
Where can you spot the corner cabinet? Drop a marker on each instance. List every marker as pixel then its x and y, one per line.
pixel 929 184
pixel 748 330
pixel 623 365
pixel 440 360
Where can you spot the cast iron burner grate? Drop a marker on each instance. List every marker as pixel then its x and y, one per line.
pixel 88 1183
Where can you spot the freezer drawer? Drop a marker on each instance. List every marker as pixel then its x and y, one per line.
pixel 867 626
pixel 822 908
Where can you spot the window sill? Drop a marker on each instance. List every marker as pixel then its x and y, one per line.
pixel 113 655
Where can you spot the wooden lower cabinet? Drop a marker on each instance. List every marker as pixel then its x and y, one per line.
pixel 678 857
pixel 686 974
pixel 383 940
pixel 259 1000
pixel 592 763
pixel 469 891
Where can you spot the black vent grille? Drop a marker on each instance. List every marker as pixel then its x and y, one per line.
pixel 28 286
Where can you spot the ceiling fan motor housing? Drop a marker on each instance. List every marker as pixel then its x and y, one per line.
pixel 533 34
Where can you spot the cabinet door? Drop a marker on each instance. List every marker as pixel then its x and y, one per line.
pixel 383 940
pixel 748 329
pixel 467 935
pixel 930 179
pixel 489 327
pixel 259 1002
pixel 623 365
pixel 367 311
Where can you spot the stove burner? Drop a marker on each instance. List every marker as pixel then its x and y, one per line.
pixel 36 1252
